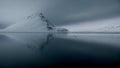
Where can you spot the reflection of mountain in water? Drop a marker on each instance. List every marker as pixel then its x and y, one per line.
pixel 37 49
pixel 32 40
pixel 23 46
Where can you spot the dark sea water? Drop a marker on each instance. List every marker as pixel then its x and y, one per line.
pixel 48 50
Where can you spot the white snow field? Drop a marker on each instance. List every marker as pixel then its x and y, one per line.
pixel 32 23
pixel 107 25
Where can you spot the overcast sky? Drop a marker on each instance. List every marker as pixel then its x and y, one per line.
pixel 59 12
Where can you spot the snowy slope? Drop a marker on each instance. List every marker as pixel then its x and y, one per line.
pixel 112 25
pixel 107 25
pixel 32 23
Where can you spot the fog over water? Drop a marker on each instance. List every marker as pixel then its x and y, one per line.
pixel 88 33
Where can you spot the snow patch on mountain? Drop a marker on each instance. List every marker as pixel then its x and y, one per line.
pixel 32 23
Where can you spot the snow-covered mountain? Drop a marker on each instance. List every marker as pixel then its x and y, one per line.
pixel 34 23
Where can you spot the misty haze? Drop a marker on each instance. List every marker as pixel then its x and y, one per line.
pixel 59 33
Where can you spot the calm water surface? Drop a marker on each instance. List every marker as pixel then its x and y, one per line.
pixel 33 50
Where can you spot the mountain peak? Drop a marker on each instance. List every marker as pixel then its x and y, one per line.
pixel 34 23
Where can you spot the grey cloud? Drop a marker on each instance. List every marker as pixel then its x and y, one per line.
pixel 69 11
pixel 60 12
